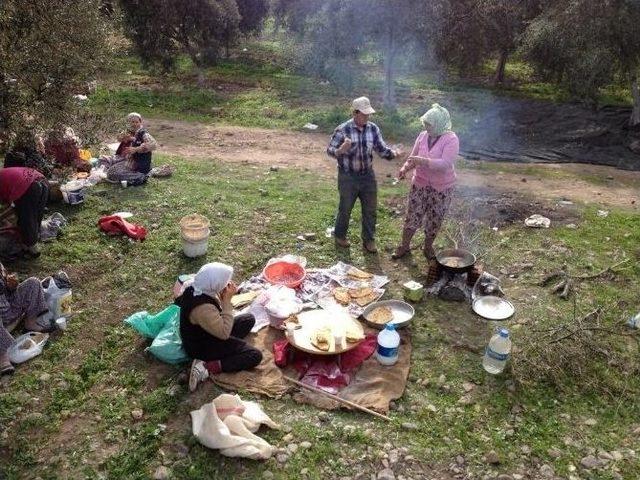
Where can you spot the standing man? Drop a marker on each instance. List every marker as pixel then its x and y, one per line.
pixel 352 145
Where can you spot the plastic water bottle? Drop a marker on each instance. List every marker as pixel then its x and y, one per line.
pixel 388 345
pixel 634 322
pixel 497 352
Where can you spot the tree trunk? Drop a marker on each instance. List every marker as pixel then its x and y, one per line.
pixel 389 94
pixel 502 62
pixel 635 111
pixel 201 75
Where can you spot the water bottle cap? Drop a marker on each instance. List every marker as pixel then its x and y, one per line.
pixel 390 326
pixel 503 332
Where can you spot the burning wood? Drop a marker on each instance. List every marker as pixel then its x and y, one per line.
pixel 451 286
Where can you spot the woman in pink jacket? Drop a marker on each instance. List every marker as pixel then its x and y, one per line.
pixel 434 179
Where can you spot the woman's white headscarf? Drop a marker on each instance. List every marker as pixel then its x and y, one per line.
pixel 134 115
pixel 438 117
pixel 212 278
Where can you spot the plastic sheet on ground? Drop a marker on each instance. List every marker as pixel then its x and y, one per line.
pixel 339 273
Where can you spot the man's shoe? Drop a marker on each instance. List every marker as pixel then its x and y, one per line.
pixel 342 242
pixel 198 373
pixel 370 246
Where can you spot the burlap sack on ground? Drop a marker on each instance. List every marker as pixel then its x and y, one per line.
pixel 373 386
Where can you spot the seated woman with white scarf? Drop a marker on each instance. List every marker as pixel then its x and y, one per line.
pixel 211 335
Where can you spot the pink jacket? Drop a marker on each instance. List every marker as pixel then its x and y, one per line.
pixel 441 175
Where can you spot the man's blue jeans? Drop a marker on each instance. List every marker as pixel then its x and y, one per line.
pixel 352 186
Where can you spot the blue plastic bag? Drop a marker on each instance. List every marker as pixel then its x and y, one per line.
pixel 164 329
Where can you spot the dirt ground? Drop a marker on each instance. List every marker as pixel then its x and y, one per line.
pixel 615 187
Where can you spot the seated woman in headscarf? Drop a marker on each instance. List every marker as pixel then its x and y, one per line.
pixel 132 161
pixel 28 192
pixel 29 153
pixel 64 147
pixel 433 183
pixel 18 301
pixel 211 335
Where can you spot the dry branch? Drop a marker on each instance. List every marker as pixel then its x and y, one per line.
pixel 600 273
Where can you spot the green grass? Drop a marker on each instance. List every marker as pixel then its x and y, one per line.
pixel 521 80
pixel 81 424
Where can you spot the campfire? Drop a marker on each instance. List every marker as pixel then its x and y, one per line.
pixel 453 275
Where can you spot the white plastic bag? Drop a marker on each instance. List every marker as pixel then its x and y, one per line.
pixel 27 346
pixel 282 302
pixel 58 299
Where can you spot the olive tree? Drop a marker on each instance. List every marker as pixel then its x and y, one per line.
pixel 162 29
pixel 49 51
pixel 468 32
pixel 252 14
pixel 586 45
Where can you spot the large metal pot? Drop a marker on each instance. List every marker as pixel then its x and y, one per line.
pixel 456 260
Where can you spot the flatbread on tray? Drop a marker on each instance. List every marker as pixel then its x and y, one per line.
pixel 341 294
pixel 353 335
pixel 358 274
pixel 360 292
pixel 380 315
pixel 367 299
pixel 321 338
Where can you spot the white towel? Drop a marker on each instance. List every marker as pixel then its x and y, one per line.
pixel 227 423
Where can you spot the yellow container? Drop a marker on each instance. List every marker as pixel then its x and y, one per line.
pixel 85 154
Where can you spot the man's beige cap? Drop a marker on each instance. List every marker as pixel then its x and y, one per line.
pixel 363 105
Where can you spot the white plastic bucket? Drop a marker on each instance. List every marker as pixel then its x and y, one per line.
pixel 194 227
pixel 196 248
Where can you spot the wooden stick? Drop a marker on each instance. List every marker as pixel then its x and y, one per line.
pixel 338 399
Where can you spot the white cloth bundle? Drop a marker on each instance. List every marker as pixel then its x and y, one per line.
pixel 227 423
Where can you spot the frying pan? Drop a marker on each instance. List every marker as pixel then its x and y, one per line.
pixel 456 260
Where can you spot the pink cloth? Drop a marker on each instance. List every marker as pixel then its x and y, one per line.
pixel 15 181
pixel 324 371
pixel 441 174
pixel 115 225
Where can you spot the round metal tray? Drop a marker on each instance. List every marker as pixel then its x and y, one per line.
pixel 402 313
pixel 493 308
pixel 313 319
